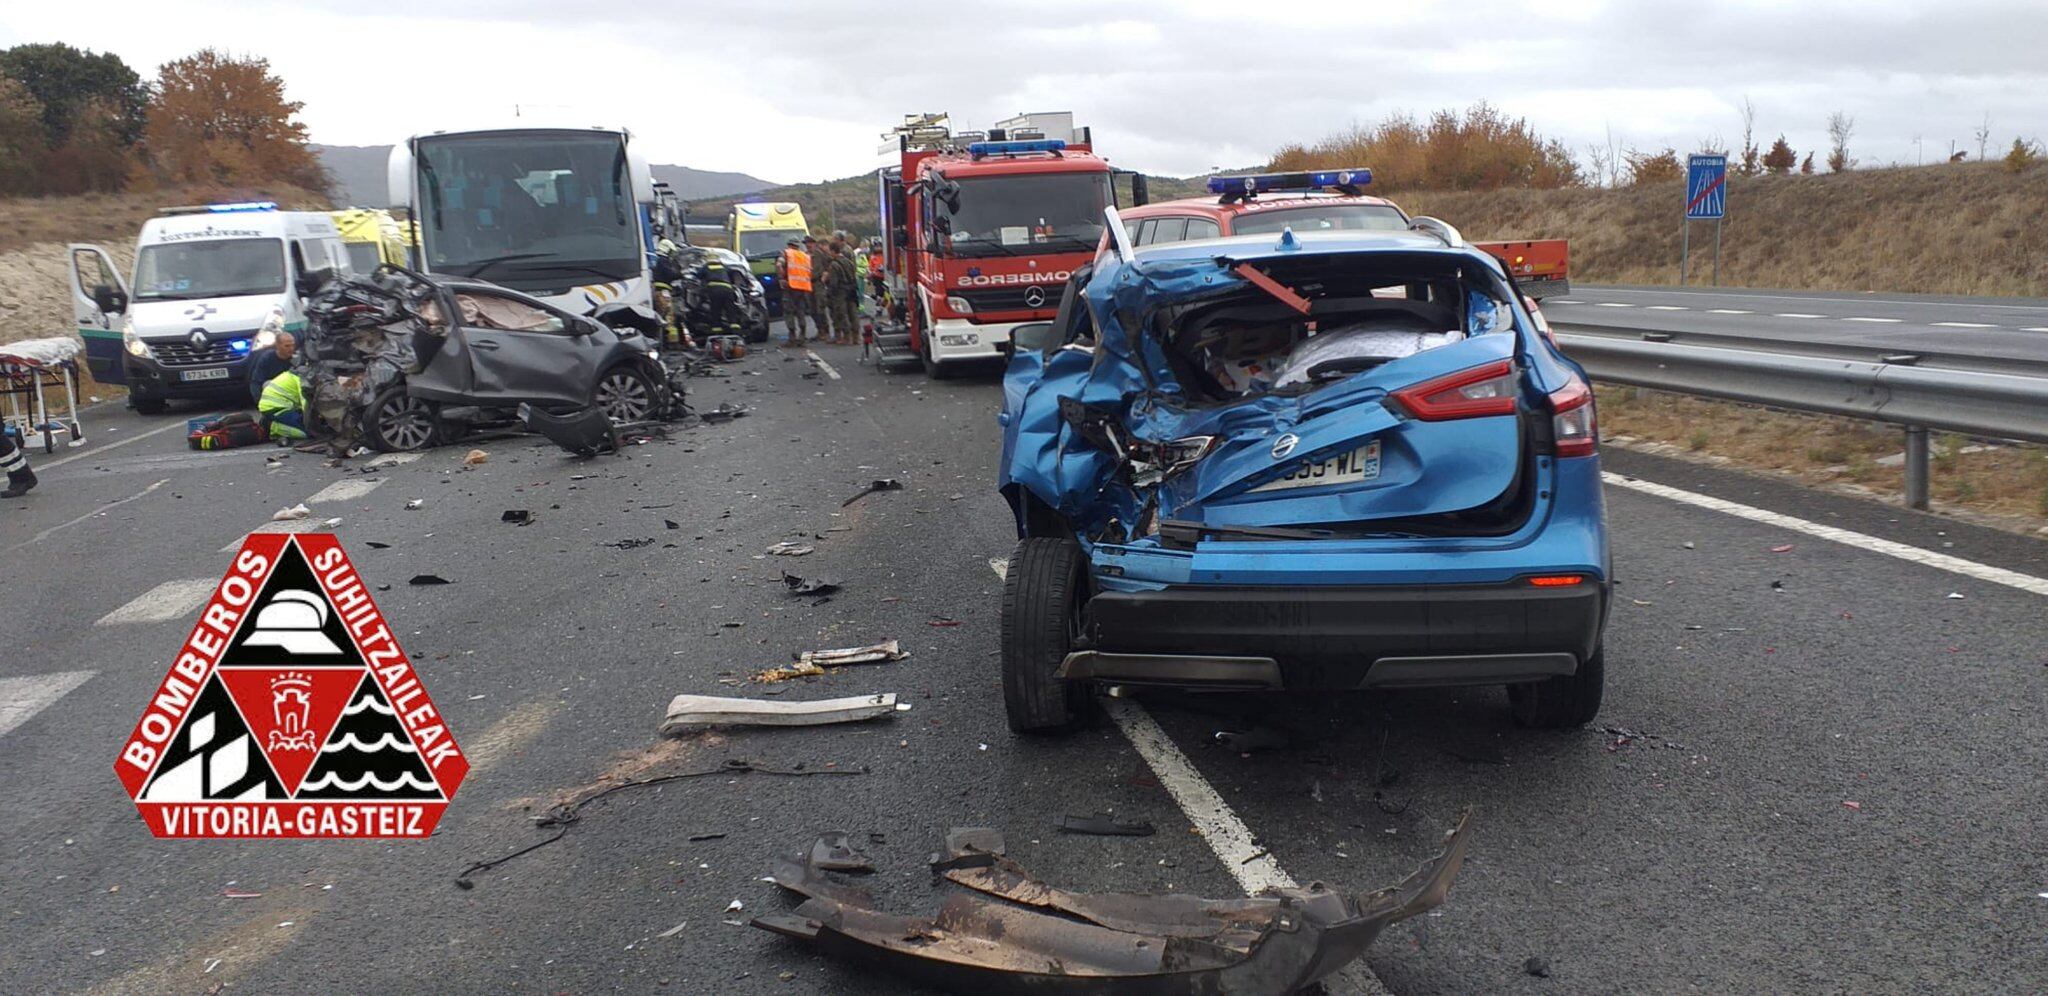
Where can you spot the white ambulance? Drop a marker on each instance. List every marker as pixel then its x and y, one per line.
pixel 211 284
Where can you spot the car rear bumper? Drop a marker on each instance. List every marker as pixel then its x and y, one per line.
pixel 1351 637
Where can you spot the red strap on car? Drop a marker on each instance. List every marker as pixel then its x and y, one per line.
pixel 1273 287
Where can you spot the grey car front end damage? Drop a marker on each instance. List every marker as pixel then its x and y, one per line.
pixel 1017 934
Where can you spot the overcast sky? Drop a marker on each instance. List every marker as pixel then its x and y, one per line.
pixel 794 91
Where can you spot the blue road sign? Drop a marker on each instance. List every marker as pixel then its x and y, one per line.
pixel 1706 186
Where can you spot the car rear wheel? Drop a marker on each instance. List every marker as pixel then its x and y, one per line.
pixel 1043 590
pixel 397 422
pixel 625 395
pixel 1564 701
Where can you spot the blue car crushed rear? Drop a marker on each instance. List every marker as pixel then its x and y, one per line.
pixel 1321 462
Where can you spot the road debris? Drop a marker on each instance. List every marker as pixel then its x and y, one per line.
pixel 475 457
pixel 787 548
pixel 1537 967
pixel 811 663
pixel 414 504
pixel 1955 594
pixel 1020 934
pixel 1105 825
pixel 517 517
pixel 299 511
pixel 799 585
pixel 1256 739
pixel 688 713
pixel 428 579
pixel 562 817
pixel 630 544
pixel 878 484
pixel 673 931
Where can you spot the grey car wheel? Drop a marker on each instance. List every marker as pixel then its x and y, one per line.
pixel 625 395
pixel 400 423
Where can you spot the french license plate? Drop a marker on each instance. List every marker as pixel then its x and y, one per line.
pixel 1361 464
pixel 205 373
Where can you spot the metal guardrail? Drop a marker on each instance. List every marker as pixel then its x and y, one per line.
pixel 1992 405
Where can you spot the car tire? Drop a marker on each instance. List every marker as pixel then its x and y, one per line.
pixel 1562 702
pixel 397 422
pixel 1043 591
pixel 626 394
pixel 149 406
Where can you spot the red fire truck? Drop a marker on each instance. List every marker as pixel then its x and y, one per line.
pixel 981 230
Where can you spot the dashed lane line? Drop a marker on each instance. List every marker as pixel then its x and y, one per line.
pixel 1882 321
pixel 346 489
pixel 1612 304
pixel 166 601
pixel 822 365
pixel 21 698
pixel 1728 311
pixel 117 444
pixel 1963 325
pixel 102 510
pixel 1861 541
pixel 1797 314
pixel 1666 307
pixel 2036 328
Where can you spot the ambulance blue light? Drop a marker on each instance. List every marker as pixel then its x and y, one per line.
pixel 242 206
pixel 1260 183
pixel 980 149
pixel 239 345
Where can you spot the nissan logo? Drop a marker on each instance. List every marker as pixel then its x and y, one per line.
pixel 1034 297
pixel 1285 445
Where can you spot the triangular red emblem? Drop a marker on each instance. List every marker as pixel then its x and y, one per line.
pixel 291 711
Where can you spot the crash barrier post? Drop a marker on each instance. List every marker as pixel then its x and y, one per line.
pixel 1971 402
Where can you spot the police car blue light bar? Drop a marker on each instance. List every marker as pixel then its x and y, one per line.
pixel 242 206
pixel 1259 183
pixel 980 149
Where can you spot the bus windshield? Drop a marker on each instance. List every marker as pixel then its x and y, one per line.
pixel 1009 215
pixel 528 209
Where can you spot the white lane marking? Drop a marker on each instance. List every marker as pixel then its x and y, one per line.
pixel 2037 328
pixel 1963 325
pixel 1865 301
pixel 1252 866
pixel 822 365
pixel 1910 554
pixel 163 602
pixel 138 437
pixel 1885 321
pixel 346 489
pixel 393 459
pixel 1728 311
pixel 1796 314
pixel 21 698
pixel 1666 307
pixel 102 510
pixel 1562 300
pixel 1612 304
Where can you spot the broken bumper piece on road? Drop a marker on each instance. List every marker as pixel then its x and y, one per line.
pixel 1039 939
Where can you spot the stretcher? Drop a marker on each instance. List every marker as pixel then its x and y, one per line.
pixel 27 369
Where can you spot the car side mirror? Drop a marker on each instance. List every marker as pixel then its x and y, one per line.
pixel 109 300
pixel 1141 190
pixel 1032 336
pixel 586 326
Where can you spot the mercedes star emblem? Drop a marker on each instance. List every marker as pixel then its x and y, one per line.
pixel 1285 445
pixel 1034 296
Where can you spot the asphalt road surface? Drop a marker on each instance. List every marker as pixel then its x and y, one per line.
pixel 1987 333
pixel 1829 776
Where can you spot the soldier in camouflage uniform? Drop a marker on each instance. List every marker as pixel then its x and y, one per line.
pixel 840 299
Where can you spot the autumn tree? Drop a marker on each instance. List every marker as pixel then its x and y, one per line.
pixel 1479 149
pixel 22 141
pixel 1840 127
pixel 1661 166
pixel 1781 159
pixel 2021 156
pixel 1750 165
pixel 1806 165
pixel 95 156
pixel 216 118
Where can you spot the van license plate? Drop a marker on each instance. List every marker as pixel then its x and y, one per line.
pixel 1361 464
pixel 205 373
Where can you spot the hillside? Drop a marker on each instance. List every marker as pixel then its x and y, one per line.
pixel 358 172
pixel 1947 229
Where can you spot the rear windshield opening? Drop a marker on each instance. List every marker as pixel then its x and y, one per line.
pixel 1363 315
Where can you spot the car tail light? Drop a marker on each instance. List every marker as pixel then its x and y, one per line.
pixel 1487 390
pixel 1158 461
pixel 1573 424
pixel 1556 580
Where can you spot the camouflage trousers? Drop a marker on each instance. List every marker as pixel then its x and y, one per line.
pixel 839 309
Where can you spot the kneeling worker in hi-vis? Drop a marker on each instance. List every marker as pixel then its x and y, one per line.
pixel 281 408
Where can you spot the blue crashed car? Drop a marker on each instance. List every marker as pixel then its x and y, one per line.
pixel 1326 461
